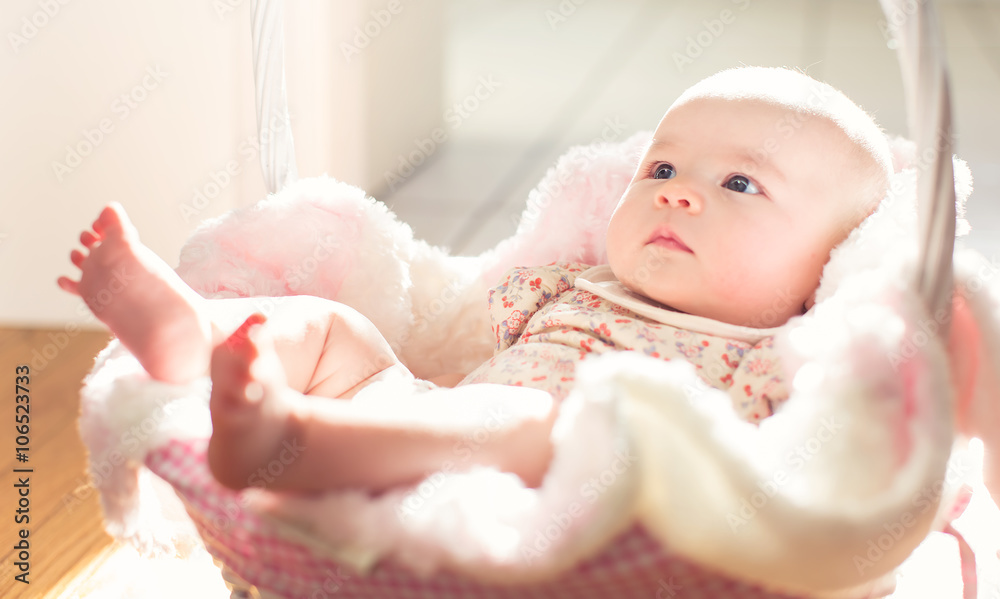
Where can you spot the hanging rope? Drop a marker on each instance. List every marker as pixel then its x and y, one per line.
pixel 277 151
pixel 925 82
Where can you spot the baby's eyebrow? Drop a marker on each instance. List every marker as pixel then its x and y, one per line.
pixel 753 159
pixel 658 144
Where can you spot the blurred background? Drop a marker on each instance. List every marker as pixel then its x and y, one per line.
pixel 449 111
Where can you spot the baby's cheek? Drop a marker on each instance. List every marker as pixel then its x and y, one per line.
pixel 615 261
pixel 613 244
pixel 736 281
pixel 763 280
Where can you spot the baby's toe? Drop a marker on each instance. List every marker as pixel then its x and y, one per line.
pixel 113 221
pixel 68 285
pixel 77 258
pixel 240 341
pixel 88 239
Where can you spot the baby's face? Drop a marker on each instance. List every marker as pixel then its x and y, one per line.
pixel 734 210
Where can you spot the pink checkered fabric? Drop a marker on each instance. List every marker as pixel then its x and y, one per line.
pixel 633 565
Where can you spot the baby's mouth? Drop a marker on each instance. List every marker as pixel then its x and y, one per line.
pixel 666 238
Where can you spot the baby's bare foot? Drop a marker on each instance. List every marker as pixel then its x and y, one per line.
pixel 141 299
pixel 253 441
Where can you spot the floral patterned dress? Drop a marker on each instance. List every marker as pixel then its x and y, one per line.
pixel 545 325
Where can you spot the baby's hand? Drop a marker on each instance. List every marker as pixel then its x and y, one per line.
pixel 963 358
pixel 977 392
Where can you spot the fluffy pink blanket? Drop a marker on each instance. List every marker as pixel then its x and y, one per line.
pixel 863 367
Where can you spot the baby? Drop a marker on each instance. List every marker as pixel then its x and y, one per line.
pixel 752 177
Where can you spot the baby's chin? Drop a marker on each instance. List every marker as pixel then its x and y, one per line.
pixel 764 318
pixel 660 298
pixel 735 312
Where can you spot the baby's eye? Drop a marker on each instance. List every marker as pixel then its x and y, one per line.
pixel 664 170
pixel 741 184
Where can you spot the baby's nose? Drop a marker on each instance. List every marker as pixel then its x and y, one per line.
pixel 677 195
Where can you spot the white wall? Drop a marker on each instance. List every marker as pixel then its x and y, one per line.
pixel 158 99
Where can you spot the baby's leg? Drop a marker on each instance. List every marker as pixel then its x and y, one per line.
pixel 324 348
pixel 158 317
pixel 327 348
pixel 266 434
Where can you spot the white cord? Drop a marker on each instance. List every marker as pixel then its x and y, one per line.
pixel 925 82
pixel 277 150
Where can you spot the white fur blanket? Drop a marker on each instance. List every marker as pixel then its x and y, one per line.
pixel 870 415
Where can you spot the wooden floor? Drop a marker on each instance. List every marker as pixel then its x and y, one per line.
pixel 65 535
